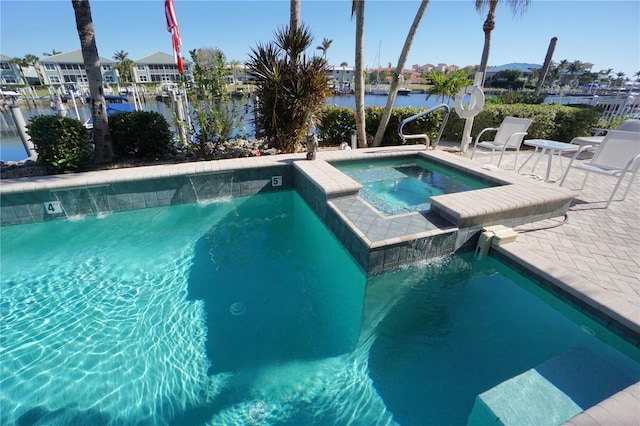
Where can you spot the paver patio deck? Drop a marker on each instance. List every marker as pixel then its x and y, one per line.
pixel 600 245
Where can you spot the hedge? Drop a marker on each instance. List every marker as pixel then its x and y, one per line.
pixel 555 122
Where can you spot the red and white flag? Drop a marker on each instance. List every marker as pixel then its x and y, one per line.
pixel 172 27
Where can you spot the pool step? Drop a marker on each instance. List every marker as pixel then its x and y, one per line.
pixel 383 242
pixel 376 241
pixel 550 393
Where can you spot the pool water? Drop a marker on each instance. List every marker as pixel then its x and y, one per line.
pixel 249 311
pixel 466 325
pixel 405 185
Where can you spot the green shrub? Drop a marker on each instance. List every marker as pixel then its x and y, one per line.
pixel 576 120
pixel 515 98
pixel 556 122
pixel 140 133
pixel 337 125
pixel 62 143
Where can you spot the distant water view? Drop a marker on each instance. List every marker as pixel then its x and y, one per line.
pixel 11 148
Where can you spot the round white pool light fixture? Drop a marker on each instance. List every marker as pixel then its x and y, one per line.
pixel 237 308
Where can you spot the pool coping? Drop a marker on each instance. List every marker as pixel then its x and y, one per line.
pixel 490 205
pixel 514 201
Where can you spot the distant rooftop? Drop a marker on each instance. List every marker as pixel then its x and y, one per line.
pixel 159 58
pixel 523 67
pixel 73 57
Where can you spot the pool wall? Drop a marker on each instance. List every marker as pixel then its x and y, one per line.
pixel 377 242
pixel 112 193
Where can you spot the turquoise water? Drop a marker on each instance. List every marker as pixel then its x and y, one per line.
pixel 248 311
pixel 405 185
pixel 464 326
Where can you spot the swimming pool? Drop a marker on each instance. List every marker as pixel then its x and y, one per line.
pixel 406 184
pixel 247 310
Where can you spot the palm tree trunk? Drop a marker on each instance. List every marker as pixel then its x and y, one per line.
pixel 294 17
pixel 358 9
pixel 101 135
pixel 545 67
pixel 487 27
pixel 24 79
pixel 395 82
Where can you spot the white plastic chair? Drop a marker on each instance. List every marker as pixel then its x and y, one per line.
pixel 617 154
pixel 631 125
pixel 509 135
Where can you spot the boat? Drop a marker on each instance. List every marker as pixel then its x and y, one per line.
pixel 9 94
pixel 385 91
pixel 114 104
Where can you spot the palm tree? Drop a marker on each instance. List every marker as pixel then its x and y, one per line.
pixel 32 61
pixel 53 53
pixel 620 78
pixel 120 55
pixel 574 68
pixel 21 63
pixel 563 64
pixel 326 43
pixel 124 65
pixel 395 82
pixel 28 61
pixel 607 74
pixel 446 85
pixel 357 9
pixel 533 76
pixel 553 74
pixel 343 65
pixel 489 24
pixel 562 67
pixel 291 88
pixel 87 35
pixel 637 76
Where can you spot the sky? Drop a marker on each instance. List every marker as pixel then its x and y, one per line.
pixel 605 33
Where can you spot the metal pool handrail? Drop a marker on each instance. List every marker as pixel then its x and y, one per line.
pixel 422 135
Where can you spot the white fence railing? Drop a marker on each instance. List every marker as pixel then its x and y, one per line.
pixel 618 106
